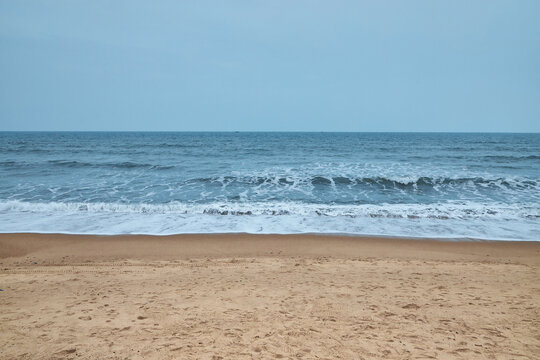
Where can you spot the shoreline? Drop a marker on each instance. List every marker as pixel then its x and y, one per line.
pixel 52 247
pixel 329 234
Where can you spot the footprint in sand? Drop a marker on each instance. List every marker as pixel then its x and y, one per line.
pixel 411 306
pixel 67 351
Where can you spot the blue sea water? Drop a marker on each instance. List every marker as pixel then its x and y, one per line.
pixel 483 186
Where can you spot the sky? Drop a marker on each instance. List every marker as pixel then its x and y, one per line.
pixel 270 65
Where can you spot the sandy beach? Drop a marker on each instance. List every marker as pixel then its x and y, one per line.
pixel 267 297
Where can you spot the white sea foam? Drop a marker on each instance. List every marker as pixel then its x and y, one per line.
pixel 457 220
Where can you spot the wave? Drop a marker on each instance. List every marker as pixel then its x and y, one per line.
pixel 119 165
pixel 460 220
pixel 391 182
pixel 20 150
pixel 511 158
pixel 82 164
pixel 443 211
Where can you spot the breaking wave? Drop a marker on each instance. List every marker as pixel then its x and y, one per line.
pixel 459 220
pixel 411 211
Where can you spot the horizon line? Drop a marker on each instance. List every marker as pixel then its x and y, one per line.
pixel 269 131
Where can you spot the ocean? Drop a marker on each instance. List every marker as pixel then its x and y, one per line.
pixel 478 186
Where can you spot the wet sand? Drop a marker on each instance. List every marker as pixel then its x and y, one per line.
pixel 244 296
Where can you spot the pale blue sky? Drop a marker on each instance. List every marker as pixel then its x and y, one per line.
pixel 270 65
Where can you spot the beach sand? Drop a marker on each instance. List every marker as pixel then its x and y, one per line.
pixel 267 297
